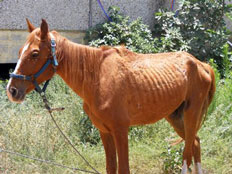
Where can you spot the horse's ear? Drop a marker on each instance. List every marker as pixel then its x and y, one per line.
pixel 30 26
pixel 44 29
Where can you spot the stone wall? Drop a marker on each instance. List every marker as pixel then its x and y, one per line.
pixel 74 14
pixel 12 41
pixel 228 21
pixel 71 14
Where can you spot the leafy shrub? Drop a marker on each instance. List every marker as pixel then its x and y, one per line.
pixel 134 35
pixel 226 59
pixel 197 27
pixel 87 133
pixel 172 160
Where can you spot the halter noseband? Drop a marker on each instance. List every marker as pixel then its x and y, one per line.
pixel 33 78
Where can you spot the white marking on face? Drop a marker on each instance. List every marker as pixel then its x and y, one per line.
pixel 20 61
pixel 184 168
pixel 51 35
pixel 18 64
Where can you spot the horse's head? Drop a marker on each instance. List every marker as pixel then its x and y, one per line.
pixel 33 56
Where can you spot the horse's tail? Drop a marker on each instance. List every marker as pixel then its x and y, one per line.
pixel 213 86
pixel 210 96
pixel 178 141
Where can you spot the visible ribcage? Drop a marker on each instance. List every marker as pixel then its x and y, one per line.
pixel 154 84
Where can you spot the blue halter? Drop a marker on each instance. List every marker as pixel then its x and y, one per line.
pixel 33 78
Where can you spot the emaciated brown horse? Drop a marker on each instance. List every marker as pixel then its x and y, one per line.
pixel 121 88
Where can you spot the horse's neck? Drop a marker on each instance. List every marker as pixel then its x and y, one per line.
pixel 78 65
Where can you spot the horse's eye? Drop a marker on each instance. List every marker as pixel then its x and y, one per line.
pixel 35 54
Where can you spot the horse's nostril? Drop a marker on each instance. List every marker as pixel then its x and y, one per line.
pixel 13 91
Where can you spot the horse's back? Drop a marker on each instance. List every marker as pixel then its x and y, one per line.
pixel 161 75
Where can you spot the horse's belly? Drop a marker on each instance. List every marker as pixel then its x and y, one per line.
pixel 151 114
pixel 149 108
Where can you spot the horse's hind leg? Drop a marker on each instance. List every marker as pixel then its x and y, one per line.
pixel 192 118
pixel 177 121
pixel 197 156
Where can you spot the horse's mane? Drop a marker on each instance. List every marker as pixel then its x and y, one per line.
pixel 81 62
pixel 78 60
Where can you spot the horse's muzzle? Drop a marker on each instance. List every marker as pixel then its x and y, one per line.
pixel 15 95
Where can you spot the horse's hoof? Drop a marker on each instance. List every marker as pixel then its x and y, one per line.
pixel 197 168
pixel 184 168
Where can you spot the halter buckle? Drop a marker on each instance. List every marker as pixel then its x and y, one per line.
pixel 53 43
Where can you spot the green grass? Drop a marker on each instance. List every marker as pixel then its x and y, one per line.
pixel 28 129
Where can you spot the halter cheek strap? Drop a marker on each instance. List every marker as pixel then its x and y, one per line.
pixel 33 78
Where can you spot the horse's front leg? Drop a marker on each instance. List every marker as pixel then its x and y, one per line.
pixel 107 140
pixel 121 141
pixel 110 151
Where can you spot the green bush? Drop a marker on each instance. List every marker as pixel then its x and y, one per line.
pixel 134 35
pixel 197 27
pixel 172 159
pixel 226 60
pixel 87 133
